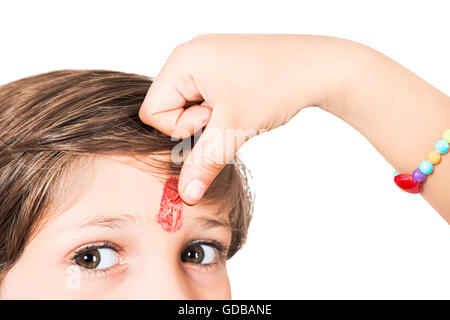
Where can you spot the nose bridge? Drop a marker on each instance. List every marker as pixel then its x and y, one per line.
pixel 163 280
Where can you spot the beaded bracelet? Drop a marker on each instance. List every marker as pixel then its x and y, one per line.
pixel 413 183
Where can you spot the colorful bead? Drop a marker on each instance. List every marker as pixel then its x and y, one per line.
pixel 434 157
pixel 418 176
pixel 426 167
pixel 407 183
pixel 441 146
pixel 446 135
pixel 413 183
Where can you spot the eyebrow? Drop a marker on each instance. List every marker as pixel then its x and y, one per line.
pixel 117 222
pixel 208 223
pixel 124 221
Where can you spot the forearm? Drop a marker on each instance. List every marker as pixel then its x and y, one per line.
pixel 399 113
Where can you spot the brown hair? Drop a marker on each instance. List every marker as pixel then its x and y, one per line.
pixel 51 121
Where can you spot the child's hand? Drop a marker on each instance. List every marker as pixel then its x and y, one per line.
pixel 259 82
pixel 248 84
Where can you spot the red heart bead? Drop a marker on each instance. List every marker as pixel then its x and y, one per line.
pixel 407 183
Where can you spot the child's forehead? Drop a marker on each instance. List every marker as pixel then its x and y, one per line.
pixel 115 186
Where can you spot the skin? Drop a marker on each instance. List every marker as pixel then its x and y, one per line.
pixel 119 204
pixel 247 82
pixel 259 82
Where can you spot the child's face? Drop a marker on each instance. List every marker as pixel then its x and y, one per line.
pixel 109 245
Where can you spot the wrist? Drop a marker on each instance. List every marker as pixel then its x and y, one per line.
pixel 328 71
pixel 367 86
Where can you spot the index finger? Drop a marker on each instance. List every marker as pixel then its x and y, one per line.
pixel 168 97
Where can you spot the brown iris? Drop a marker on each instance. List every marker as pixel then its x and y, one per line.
pixel 89 259
pixel 193 254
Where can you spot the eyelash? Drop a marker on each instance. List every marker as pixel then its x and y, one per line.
pixel 95 245
pixel 220 248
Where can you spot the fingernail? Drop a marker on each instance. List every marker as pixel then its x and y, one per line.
pixel 194 190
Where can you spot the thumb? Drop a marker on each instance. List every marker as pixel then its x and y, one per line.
pixel 214 149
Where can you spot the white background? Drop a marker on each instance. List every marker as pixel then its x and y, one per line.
pixel 329 221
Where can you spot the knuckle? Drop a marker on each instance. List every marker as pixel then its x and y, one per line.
pixel 201 36
pixel 180 47
pixel 182 52
pixel 210 166
pixel 178 51
pixel 144 115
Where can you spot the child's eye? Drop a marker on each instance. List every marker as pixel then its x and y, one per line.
pixel 200 254
pixel 97 258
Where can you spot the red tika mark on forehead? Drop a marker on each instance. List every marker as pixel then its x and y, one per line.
pixel 170 209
